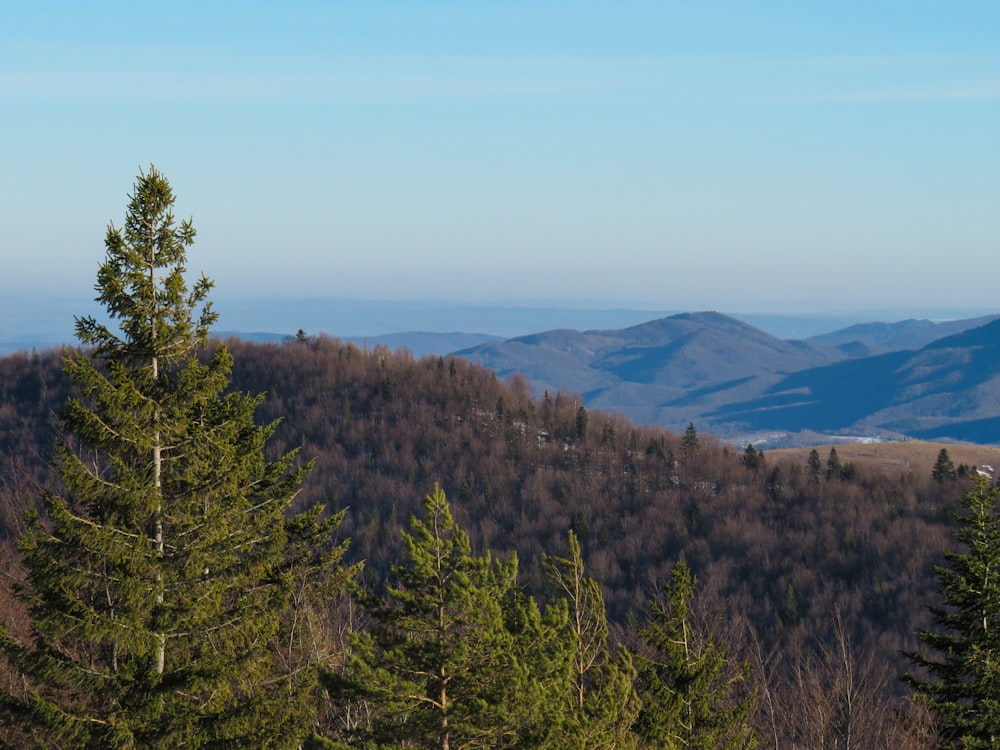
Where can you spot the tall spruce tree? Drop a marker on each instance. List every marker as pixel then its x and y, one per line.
pixel 690 694
pixel 159 579
pixel 960 683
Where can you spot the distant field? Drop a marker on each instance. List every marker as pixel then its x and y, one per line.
pixel 916 455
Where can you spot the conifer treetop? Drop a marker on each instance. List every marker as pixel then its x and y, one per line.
pixel 141 282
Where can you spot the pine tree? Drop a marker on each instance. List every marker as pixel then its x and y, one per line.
pixel 536 712
pixel 813 462
pixel 833 468
pixel 582 418
pixel 440 665
pixel 602 704
pixel 159 580
pixel 690 442
pixel 943 467
pixel 962 683
pixel 688 690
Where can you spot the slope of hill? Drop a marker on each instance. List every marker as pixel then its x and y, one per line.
pixel 866 339
pixel 776 546
pixel 950 389
pixel 692 349
pixel 667 371
pixel 420 343
pixel 733 379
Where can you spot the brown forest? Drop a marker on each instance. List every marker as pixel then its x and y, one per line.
pixel 816 575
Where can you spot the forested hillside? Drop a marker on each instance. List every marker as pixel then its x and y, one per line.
pixel 808 555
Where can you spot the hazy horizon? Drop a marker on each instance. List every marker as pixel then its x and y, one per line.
pixel 28 321
pixel 774 156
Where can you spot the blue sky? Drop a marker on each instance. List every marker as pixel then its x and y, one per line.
pixel 738 156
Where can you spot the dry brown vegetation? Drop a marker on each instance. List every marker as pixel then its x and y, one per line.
pixel 897 457
pixel 819 580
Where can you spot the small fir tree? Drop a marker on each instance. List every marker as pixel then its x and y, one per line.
pixel 943 467
pixel 159 579
pixel 690 442
pixel 813 462
pixel 440 665
pixel 961 686
pixel 689 692
pixel 833 467
pixel 581 423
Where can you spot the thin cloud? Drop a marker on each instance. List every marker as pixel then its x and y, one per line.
pixel 691 79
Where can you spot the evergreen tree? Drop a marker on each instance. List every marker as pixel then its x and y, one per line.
pixel 690 442
pixel 833 467
pixel 602 704
pixel 775 486
pixel 962 686
pixel 581 423
pixel 943 467
pixel 688 690
pixel 750 459
pixel 160 579
pixel 813 462
pixel 537 713
pixel 790 611
pixel 440 665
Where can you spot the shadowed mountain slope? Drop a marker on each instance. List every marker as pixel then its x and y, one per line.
pixel 876 338
pixel 948 389
pixel 734 379
pixel 677 354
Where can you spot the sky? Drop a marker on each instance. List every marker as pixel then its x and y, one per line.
pixel 760 156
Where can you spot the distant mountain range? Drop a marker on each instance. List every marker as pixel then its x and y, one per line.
pixel 40 321
pixel 915 378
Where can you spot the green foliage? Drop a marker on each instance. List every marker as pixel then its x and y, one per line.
pixel 161 578
pixel 813 462
pixel 581 423
pixel 790 612
pixel 688 689
pixel 444 662
pixel 943 467
pixel 833 467
pixel 962 686
pixel 751 459
pixel 690 442
pixel 601 704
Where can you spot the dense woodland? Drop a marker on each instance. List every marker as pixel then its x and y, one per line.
pixel 310 544
pixel 816 574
